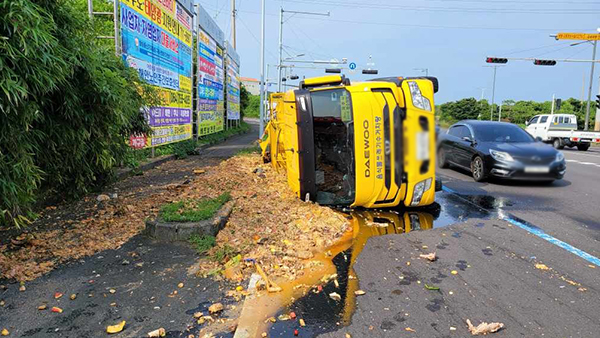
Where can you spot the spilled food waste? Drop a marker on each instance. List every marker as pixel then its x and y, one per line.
pixel 323 299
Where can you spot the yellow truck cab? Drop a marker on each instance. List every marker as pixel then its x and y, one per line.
pixel 368 144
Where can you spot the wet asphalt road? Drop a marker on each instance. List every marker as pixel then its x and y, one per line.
pixel 568 209
pixel 495 262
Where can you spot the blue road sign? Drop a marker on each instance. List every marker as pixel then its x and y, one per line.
pixel 352 66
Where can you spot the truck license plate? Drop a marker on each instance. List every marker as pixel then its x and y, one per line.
pixel 422 146
pixel 537 170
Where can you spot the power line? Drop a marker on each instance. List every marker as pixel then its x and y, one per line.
pixel 536 48
pixel 254 36
pixel 565 11
pixel 432 26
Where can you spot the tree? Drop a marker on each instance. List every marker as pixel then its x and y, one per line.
pixel 465 109
pixel 67 105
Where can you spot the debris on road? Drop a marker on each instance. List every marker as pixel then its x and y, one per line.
pixel 454 272
pixel 4 332
pixel 484 328
pixel 302 322
pixel 103 198
pixel 73 296
pixel 115 328
pixel 359 292
pixel 158 333
pixel 430 256
pixel 56 309
pixel 215 308
pixel 57 295
pixel 409 329
pixel 541 266
pixel 431 287
pixel 42 307
pixel 335 296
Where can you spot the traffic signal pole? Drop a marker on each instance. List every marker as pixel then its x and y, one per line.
pixel 587 109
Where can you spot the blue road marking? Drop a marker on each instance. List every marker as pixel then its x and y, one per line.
pixel 540 233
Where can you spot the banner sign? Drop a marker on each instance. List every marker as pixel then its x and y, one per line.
pixel 157 42
pixel 210 85
pixel 233 87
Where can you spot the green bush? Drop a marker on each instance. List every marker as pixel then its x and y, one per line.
pixel 67 105
pixel 192 210
pixel 184 148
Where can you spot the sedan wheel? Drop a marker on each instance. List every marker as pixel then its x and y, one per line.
pixel 478 170
pixel 441 159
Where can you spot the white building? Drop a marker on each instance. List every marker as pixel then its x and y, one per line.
pixel 252 85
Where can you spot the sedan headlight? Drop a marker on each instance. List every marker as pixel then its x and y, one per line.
pixel 560 157
pixel 501 156
pixel 418 99
pixel 420 189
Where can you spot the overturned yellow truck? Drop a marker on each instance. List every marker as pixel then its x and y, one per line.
pixel 367 144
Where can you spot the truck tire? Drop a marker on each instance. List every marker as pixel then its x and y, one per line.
pixel 558 144
pixel 583 147
pixel 478 169
pixel 441 159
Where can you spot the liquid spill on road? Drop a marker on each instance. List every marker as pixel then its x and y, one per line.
pixel 309 296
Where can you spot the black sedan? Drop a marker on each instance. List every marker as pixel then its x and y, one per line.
pixel 499 149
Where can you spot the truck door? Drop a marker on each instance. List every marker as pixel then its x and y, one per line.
pixel 532 125
pixel 542 127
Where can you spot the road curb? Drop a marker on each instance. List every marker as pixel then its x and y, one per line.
pixel 179 231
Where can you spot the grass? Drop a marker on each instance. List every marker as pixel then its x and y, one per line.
pixel 224 252
pixel 250 150
pixel 202 243
pixel 193 210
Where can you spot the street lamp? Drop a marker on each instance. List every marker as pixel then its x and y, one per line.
pixel 424 70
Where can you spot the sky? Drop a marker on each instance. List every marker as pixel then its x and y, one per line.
pixel 451 38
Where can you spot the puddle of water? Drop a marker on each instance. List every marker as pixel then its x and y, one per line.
pixel 323 314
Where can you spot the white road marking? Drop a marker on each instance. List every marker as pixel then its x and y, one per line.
pixel 580 154
pixel 584 163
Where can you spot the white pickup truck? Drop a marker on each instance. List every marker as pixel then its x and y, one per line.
pixel 561 130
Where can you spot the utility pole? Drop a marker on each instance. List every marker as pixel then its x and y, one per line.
pixel 587 109
pixel 493 93
pixel 280 48
pixel 262 71
pixel 233 24
pixel 280 63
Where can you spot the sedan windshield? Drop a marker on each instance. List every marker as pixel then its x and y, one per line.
pixel 504 133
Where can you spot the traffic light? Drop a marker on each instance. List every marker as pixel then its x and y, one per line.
pixel 558 104
pixel 544 62
pixel 496 60
pixel 598 101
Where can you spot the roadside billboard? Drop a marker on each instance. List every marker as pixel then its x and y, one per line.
pixel 233 84
pixel 210 75
pixel 156 38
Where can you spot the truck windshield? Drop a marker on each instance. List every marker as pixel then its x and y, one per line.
pixel 334 146
pixel 505 133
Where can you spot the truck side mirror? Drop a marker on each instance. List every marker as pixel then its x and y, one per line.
pixel 527 123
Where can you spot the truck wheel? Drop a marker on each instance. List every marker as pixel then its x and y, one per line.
pixel 478 169
pixel 583 147
pixel 442 161
pixel 558 144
